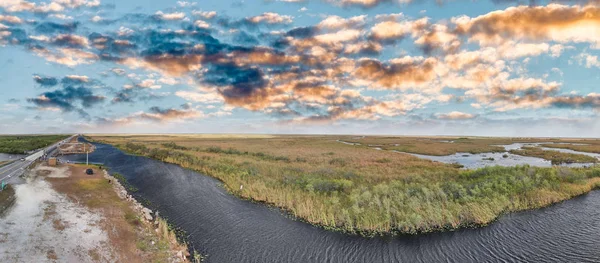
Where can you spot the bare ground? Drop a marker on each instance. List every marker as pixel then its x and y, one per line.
pixel 65 215
pixel 45 226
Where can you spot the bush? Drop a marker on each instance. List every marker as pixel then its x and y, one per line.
pixel 337 161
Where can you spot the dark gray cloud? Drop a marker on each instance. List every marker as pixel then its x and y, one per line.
pixel 134 94
pixel 45 81
pixel 51 28
pixel 241 81
pixel 76 94
pixel 66 98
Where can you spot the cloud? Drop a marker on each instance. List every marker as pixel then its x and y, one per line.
pixel 159 15
pixel 154 115
pixel 270 18
pixel 336 22
pixel 554 22
pixel 51 28
pixel 75 80
pixel 10 19
pixel 455 115
pixel 72 41
pixel 201 97
pixel 365 3
pixel 65 56
pixel 406 72
pixel 160 114
pixel 65 100
pixel 205 14
pixel 135 94
pixel 149 84
pixel 45 81
pixel 588 60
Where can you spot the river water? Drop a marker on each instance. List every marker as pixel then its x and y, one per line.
pixel 228 229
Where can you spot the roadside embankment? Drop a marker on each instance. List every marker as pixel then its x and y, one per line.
pixel 131 229
pixel 62 214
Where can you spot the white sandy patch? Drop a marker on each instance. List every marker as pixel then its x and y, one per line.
pixel 43 224
pixel 54 172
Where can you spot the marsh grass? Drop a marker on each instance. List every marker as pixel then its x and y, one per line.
pixel 592 147
pixel 554 156
pixel 359 190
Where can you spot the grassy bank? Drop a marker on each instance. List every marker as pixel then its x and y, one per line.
pixel 554 156
pixel 23 143
pixel 358 189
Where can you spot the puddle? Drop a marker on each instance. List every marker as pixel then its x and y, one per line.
pixel 348 143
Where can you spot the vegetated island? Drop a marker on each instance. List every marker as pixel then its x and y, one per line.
pixel 355 189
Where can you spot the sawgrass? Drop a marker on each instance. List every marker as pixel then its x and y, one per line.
pixel 554 156
pixel 360 190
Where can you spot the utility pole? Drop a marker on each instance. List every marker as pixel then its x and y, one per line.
pixel 86 155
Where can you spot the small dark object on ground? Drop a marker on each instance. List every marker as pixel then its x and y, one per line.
pixel 89 171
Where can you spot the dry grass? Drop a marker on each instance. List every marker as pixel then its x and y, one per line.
pixel 7 198
pixel 358 189
pixel 593 147
pixel 554 156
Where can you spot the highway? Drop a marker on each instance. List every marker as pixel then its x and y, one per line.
pixel 10 172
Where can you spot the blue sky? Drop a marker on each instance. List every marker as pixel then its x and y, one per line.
pixel 494 68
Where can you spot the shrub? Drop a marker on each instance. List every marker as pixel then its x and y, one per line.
pixel 337 161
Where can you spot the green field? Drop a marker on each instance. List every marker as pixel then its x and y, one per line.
pixel 19 144
pixel 354 188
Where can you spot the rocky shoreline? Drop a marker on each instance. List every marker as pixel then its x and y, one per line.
pixel 146 215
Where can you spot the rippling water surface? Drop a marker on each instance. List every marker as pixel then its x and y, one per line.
pixel 228 229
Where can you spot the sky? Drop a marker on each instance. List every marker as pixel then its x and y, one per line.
pixel 395 67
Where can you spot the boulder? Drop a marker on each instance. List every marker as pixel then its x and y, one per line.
pixel 147 214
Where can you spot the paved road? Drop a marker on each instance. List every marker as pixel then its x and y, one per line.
pixel 10 173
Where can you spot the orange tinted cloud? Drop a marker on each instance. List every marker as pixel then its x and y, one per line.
pixel 397 74
pixel 554 22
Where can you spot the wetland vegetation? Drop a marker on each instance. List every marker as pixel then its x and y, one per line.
pixel 356 189
pixel 554 156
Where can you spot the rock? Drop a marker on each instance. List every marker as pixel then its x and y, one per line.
pixel 152 243
pixel 147 214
